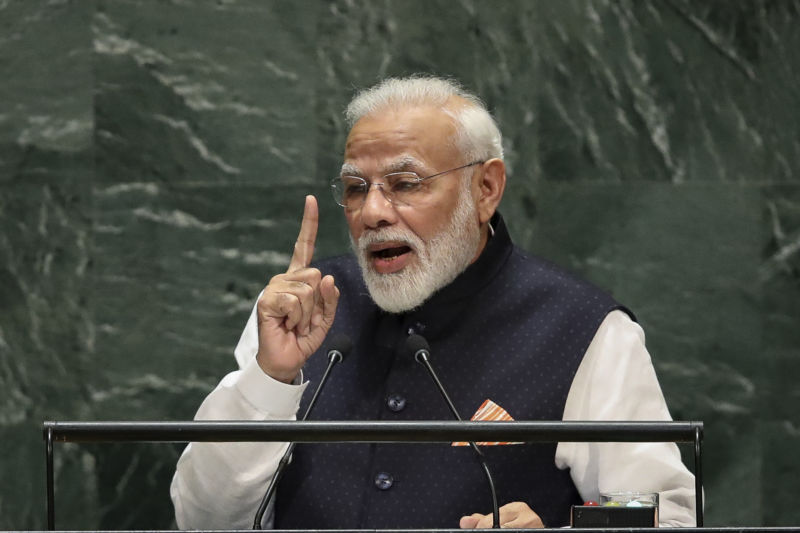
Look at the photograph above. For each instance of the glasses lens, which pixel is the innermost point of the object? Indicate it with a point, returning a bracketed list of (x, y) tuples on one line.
[(349, 191), (404, 187)]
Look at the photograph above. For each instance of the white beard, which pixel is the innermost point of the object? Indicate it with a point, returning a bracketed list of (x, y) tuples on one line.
[(439, 261)]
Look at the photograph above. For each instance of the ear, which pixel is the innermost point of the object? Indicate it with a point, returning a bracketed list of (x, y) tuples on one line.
[(491, 184)]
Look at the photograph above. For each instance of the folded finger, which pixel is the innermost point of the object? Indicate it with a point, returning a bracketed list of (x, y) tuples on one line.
[(516, 515), (469, 522), (281, 305), (523, 521), (306, 298), (486, 521)]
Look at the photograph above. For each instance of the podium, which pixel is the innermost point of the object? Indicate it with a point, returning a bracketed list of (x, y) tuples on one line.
[(378, 431)]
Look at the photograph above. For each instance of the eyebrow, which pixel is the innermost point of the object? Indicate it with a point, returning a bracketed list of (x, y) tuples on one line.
[(349, 170), (402, 164)]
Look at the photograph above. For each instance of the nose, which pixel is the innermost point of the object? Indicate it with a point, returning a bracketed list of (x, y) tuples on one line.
[(377, 210)]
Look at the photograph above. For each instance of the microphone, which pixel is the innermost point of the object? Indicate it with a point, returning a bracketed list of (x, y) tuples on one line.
[(419, 348), (340, 345)]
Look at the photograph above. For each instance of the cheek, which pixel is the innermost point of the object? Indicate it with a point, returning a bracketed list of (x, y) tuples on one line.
[(353, 225), (427, 224)]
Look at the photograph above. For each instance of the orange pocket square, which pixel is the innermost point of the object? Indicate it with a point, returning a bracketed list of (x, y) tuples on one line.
[(489, 412)]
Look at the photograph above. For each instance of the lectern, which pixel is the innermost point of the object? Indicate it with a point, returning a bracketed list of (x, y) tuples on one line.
[(368, 432)]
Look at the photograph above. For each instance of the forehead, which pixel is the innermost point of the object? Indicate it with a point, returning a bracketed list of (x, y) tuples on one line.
[(394, 139)]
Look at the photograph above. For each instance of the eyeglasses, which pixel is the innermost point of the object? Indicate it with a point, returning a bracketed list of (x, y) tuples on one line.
[(399, 188)]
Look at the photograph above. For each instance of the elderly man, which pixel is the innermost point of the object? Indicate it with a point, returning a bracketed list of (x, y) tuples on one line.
[(421, 181)]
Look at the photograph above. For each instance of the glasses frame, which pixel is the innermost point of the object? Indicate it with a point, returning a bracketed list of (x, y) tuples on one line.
[(380, 184)]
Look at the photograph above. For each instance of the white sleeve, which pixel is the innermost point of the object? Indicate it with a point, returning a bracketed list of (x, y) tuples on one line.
[(220, 485), (616, 381)]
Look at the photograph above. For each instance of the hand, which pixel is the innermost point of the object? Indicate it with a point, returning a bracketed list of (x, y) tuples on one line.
[(514, 515), (296, 309)]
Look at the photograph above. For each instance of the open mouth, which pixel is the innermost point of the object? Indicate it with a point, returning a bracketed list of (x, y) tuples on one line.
[(389, 257), (389, 254)]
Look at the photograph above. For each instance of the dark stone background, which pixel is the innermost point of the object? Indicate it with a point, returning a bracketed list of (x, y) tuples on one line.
[(154, 156)]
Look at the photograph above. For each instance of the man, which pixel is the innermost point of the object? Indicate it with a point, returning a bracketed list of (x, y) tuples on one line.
[(421, 181)]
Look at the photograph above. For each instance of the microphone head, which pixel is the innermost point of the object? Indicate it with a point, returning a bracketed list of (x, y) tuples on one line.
[(340, 345), (418, 347)]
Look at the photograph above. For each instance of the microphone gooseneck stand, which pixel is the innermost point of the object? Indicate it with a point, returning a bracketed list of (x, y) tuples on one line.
[(340, 345), (419, 348)]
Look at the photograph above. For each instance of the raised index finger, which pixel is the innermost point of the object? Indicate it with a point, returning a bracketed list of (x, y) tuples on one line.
[(304, 247)]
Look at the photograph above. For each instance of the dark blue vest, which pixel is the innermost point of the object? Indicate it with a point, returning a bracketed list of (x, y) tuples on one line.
[(511, 328)]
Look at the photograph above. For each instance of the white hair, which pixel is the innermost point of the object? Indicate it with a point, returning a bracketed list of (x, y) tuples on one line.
[(477, 134)]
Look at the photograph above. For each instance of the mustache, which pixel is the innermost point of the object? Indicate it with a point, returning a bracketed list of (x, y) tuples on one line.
[(380, 235)]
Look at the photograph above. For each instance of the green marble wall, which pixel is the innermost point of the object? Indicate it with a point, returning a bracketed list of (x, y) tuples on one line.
[(154, 155)]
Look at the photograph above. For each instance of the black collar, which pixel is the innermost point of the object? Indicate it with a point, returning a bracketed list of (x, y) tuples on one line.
[(478, 274)]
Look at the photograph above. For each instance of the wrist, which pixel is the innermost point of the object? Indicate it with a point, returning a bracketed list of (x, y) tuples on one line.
[(284, 375)]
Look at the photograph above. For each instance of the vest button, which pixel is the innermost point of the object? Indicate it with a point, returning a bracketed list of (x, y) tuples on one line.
[(396, 403), (384, 481)]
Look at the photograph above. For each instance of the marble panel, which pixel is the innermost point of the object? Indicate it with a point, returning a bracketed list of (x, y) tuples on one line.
[(46, 331), (45, 95), (666, 91), (781, 469), (780, 278), (46, 334), (204, 91)]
